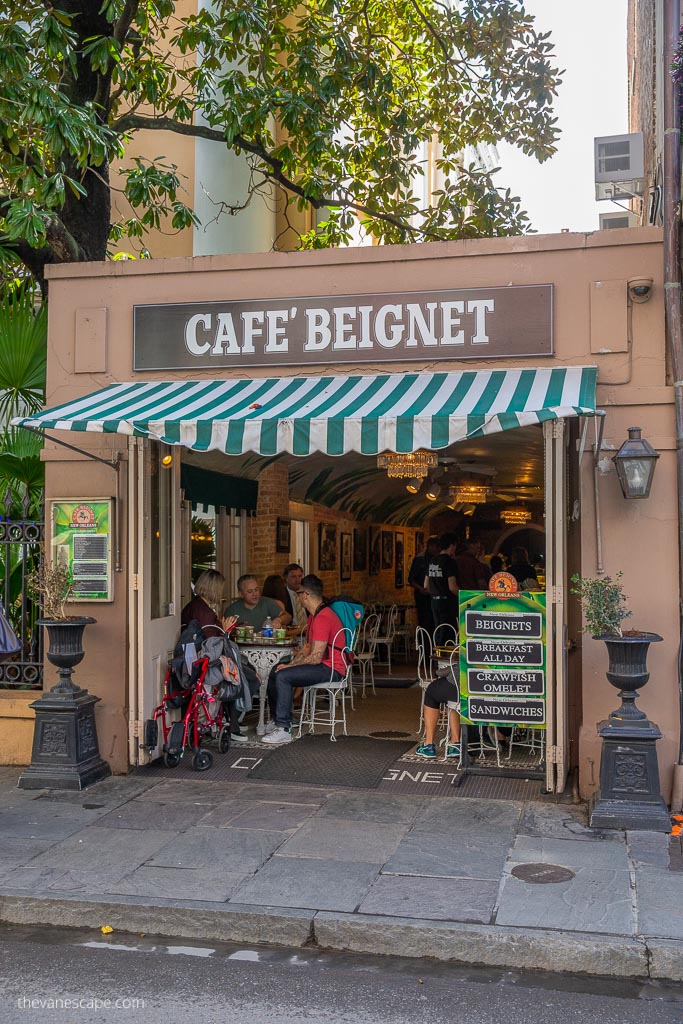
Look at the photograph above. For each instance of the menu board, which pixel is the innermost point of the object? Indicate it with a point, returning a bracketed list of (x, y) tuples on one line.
[(502, 658), (81, 540)]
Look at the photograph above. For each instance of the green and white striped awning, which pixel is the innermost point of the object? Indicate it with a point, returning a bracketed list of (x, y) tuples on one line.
[(397, 412)]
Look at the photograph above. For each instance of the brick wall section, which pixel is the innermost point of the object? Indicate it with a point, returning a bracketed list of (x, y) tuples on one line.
[(273, 501), (641, 45)]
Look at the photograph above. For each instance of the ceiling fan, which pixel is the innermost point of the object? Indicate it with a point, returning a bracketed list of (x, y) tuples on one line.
[(518, 492)]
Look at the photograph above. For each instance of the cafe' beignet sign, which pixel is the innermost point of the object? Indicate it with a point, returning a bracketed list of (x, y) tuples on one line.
[(474, 323)]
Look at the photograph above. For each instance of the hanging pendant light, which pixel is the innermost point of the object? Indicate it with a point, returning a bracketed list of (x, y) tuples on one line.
[(469, 491), (407, 464), (515, 515), (414, 485)]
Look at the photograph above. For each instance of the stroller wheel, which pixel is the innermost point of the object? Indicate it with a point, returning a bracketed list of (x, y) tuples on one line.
[(224, 739), (172, 758), (202, 760)]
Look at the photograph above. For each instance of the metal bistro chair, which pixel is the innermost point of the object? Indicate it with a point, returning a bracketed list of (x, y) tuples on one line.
[(386, 639), (365, 650), (452, 705), (446, 635), (425, 664), (334, 689)]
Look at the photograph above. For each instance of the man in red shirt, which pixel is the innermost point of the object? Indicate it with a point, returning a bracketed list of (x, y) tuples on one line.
[(318, 661)]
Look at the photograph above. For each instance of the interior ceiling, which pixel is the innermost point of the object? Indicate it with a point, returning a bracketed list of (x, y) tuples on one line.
[(353, 484)]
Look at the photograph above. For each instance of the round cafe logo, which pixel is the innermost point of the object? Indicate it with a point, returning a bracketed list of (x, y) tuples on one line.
[(503, 583), (83, 515)]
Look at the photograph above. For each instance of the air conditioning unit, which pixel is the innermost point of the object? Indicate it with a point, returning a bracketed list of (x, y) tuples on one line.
[(618, 220), (619, 166)]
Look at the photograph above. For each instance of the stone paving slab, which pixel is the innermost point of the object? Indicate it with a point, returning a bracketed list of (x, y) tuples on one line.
[(285, 794), (222, 815), (649, 849), (384, 809), (274, 816), (344, 840), (570, 853), (314, 884), (224, 849), (16, 852), (173, 791), (462, 817), (204, 884), (45, 821), (660, 903), (563, 821), (141, 814), (593, 901), (422, 853), (432, 899)]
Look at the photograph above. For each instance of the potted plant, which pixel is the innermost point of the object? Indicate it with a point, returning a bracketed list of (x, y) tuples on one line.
[(604, 609), (629, 796), (51, 583)]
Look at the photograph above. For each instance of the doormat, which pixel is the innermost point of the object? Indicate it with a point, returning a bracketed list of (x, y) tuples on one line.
[(357, 762)]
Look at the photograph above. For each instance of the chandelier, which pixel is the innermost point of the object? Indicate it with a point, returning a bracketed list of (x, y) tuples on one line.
[(469, 492), (409, 464), (515, 515)]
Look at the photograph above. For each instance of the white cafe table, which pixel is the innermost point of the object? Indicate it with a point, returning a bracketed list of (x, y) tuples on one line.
[(262, 655)]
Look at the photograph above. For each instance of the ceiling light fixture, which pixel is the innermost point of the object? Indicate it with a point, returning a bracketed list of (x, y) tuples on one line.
[(469, 491), (407, 464), (515, 515), (414, 485), (433, 491)]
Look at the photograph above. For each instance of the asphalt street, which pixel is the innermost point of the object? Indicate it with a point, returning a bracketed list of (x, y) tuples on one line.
[(73, 976)]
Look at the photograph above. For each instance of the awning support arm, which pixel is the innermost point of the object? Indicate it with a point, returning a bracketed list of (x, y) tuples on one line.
[(112, 463)]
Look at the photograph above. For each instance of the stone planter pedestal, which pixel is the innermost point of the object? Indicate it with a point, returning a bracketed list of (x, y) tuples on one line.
[(629, 795), (66, 753)]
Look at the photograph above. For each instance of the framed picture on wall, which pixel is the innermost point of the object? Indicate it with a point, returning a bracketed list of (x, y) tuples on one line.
[(283, 535), (327, 547), (360, 550), (399, 558), (387, 549), (345, 556), (375, 550)]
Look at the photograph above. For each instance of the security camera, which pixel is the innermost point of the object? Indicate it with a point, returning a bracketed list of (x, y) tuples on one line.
[(640, 288)]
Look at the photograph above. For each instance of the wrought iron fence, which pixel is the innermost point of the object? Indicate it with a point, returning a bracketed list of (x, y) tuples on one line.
[(22, 532)]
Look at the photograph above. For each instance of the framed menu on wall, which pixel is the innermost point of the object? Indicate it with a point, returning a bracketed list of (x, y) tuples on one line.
[(81, 539)]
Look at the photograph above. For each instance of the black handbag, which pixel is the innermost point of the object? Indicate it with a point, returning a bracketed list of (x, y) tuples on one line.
[(9, 641)]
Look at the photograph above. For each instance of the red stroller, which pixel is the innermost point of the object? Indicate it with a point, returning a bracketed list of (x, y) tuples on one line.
[(187, 687)]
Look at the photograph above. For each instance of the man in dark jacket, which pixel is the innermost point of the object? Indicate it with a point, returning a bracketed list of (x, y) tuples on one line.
[(416, 579)]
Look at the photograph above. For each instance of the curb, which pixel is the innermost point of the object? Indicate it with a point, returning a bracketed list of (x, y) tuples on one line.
[(471, 944), (180, 919)]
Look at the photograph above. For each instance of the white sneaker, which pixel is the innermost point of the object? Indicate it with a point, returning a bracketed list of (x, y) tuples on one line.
[(278, 736), (238, 737), (270, 727)]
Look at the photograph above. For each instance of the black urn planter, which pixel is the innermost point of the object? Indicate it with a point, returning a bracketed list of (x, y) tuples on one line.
[(65, 649), (627, 670), (66, 753), (629, 795)]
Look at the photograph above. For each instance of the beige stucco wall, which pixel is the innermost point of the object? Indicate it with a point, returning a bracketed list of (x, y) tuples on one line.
[(591, 316)]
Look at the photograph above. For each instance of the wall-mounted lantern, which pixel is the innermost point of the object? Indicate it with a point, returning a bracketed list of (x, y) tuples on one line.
[(635, 464)]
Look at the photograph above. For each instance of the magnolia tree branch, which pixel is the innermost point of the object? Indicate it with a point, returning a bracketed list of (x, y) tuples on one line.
[(274, 168)]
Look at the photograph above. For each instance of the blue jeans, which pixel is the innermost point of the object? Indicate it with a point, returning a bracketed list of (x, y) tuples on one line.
[(282, 684)]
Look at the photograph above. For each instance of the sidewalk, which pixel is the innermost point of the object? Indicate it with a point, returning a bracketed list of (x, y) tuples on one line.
[(346, 869)]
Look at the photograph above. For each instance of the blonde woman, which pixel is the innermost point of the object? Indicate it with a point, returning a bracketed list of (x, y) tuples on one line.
[(207, 603)]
